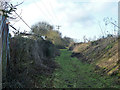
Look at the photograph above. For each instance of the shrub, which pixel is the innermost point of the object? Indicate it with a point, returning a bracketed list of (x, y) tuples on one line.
[(29, 58)]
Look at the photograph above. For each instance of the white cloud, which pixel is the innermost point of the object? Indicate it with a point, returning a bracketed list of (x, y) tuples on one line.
[(73, 15)]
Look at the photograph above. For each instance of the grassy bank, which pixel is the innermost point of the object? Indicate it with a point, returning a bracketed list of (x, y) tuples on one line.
[(75, 74)]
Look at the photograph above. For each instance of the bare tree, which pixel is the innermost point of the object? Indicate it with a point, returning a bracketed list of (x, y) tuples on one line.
[(112, 22)]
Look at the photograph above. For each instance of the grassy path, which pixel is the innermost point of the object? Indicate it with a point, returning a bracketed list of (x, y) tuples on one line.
[(75, 74)]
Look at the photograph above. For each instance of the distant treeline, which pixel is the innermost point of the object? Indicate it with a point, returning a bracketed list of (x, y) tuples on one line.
[(47, 30)]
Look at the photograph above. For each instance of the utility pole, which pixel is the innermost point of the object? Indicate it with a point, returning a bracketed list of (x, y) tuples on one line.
[(4, 45), (58, 27), (101, 29), (1, 41), (0, 52), (85, 39)]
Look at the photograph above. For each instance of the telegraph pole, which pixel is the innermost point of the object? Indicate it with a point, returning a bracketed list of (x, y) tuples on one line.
[(1, 43), (0, 52), (58, 27), (4, 45)]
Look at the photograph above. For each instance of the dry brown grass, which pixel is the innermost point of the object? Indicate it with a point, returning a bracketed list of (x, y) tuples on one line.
[(102, 53), (109, 60), (81, 47)]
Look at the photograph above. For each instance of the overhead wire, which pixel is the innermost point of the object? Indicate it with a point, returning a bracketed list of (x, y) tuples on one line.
[(40, 10), (25, 21), (21, 18), (55, 16), (48, 10), (101, 28), (45, 13), (54, 12)]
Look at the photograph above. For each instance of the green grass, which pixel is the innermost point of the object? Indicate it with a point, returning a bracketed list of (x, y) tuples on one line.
[(109, 46), (75, 74)]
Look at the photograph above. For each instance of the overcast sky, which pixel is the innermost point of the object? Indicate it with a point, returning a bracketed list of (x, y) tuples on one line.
[(77, 18)]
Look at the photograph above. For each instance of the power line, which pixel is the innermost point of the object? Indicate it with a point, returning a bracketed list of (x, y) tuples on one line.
[(23, 20), (58, 27), (40, 10), (26, 23), (54, 12), (49, 11), (100, 28), (48, 15)]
